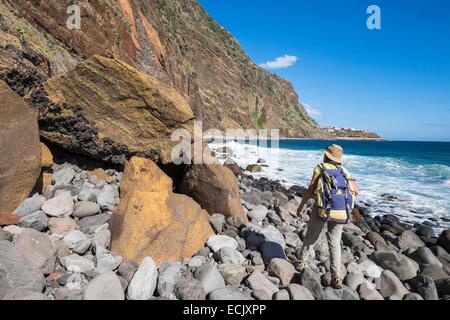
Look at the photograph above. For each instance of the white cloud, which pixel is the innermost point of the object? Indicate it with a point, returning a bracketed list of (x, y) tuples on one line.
[(312, 111), (279, 63)]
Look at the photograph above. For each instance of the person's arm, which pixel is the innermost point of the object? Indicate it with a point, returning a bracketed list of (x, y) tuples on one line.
[(309, 193), (354, 186)]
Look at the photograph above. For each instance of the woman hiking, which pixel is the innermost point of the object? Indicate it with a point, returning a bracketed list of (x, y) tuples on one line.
[(335, 190)]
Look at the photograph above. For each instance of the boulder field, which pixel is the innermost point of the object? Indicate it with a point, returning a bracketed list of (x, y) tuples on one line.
[(151, 218), (113, 234)]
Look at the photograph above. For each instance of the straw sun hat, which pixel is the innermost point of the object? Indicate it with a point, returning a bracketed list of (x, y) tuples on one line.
[(334, 153)]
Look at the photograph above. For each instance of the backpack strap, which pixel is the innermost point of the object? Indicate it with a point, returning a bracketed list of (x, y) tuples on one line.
[(322, 168), (347, 205)]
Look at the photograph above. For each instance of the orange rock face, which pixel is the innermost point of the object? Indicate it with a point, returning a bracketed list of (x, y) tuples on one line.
[(125, 112), (45, 179), (153, 221), (47, 156), (215, 188)]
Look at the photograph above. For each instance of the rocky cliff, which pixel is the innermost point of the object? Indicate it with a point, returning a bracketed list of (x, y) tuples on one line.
[(172, 40)]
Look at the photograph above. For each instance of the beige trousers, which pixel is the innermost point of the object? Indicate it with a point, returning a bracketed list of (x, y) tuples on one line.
[(334, 235)]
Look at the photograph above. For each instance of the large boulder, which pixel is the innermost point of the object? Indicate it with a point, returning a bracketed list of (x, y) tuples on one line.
[(144, 281), (258, 282), (271, 250), (389, 284), (190, 289), (104, 287), (444, 240), (229, 255), (272, 234), (215, 188), (210, 278), (20, 156), (403, 267), (425, 257), (108, 110), (377, 241), (435, 272), (409, 240), (232, 274), (424, 285), (282, 269), (443, 287), (311, 280), (150, 218), (7, 219), (367, 292), (228, 293), (345, 293), (169, 275), (218, 242), (299, 292)]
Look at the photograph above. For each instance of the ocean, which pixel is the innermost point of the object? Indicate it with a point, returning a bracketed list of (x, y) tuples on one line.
[(408, 179)]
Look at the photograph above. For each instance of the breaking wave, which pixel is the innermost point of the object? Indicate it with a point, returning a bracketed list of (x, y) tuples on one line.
[(413, 192)]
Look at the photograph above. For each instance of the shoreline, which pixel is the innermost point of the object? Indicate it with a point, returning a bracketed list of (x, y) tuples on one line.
[(337, 139), (222, 138), (243, 251)]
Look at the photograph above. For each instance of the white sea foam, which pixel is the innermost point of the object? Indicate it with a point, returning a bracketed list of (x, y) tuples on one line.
[(422, 191)]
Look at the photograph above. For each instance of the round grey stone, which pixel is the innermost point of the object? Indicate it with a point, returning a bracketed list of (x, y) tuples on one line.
[(89, 224), (190, 289), (30, 205), (169, 275), (210, 278), (228, 293), (59, 206), (64, 175), (17, 272), (86, 209), (127, 270), (106, 198), (5, 235), (144, 281), (258, 213), (217, 221), (106, 286), (228, 255), (345, 293)]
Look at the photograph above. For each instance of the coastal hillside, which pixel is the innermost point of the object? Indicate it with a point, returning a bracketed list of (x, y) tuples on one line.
[(174, 41)]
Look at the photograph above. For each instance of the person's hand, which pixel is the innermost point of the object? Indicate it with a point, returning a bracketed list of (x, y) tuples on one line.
[(300, 210)]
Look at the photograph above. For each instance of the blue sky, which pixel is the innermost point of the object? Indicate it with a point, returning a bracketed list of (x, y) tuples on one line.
[(394, 81)]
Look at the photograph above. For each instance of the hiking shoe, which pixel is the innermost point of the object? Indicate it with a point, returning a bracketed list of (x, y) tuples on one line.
[(299, 266), (336, 283)]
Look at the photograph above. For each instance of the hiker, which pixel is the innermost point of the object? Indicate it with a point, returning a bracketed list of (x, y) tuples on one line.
[(335, 191)]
